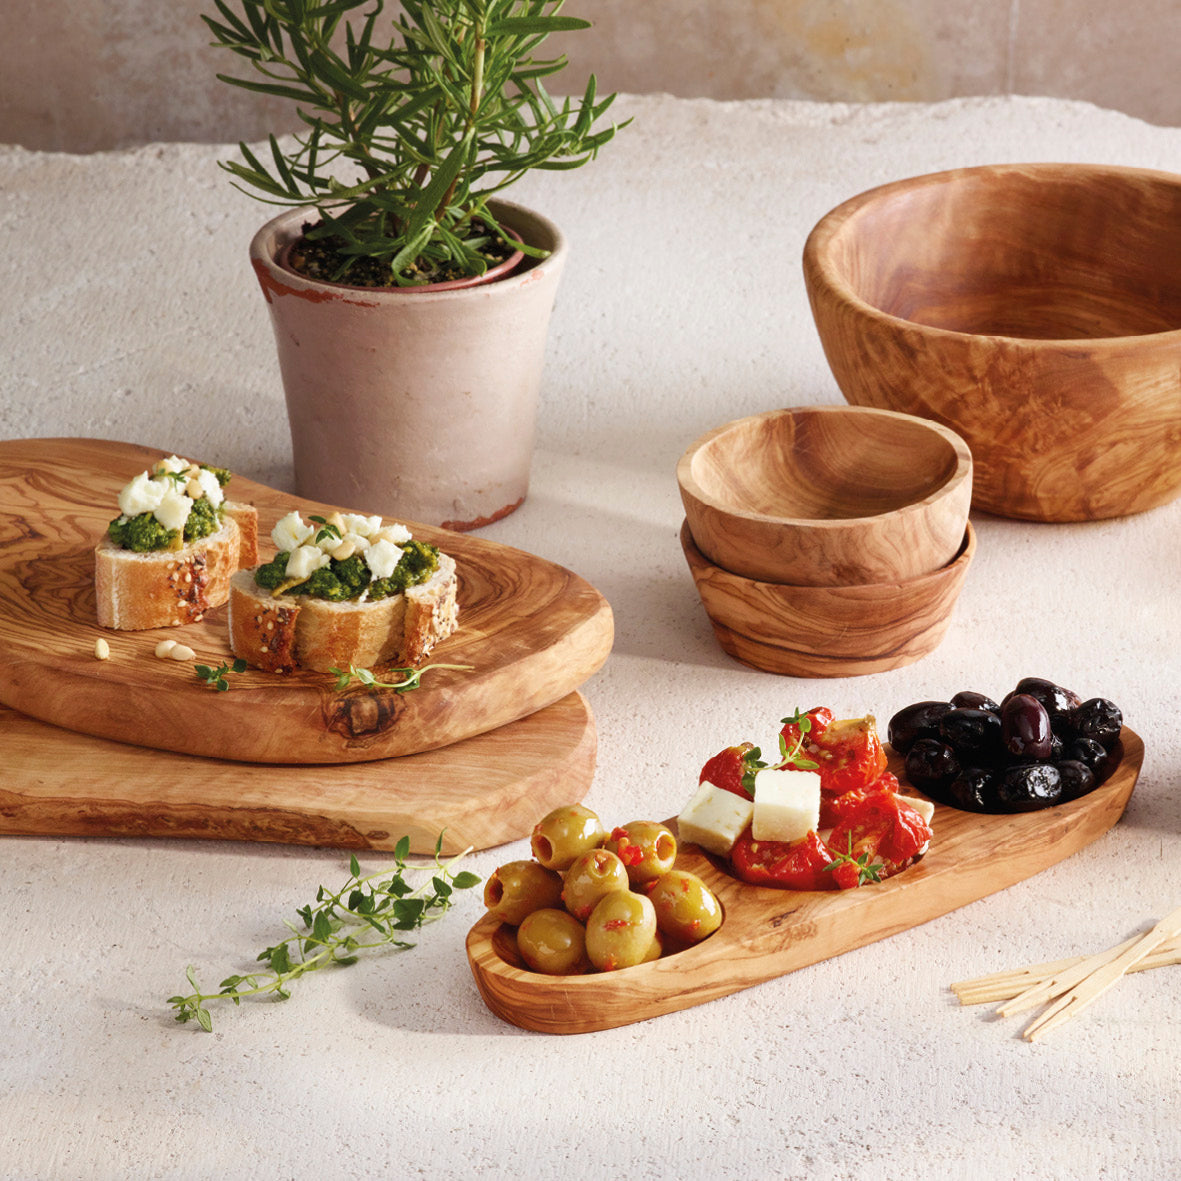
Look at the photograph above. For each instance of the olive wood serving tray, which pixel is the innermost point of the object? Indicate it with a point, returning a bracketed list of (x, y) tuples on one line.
[(533, 632), (768, 932), (479, 792)]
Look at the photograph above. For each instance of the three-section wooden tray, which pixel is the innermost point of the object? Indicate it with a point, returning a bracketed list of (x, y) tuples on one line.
[(767, 932), (532, 631)]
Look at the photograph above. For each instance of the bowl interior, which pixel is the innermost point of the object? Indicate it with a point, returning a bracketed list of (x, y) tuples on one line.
[(1041, 252), (822, 464)]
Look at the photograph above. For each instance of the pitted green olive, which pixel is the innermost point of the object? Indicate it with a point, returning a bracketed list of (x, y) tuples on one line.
[(567, 831), (647, 849), (589, 878), (686, 908), (519, 888), (620, 931), (554, 942)]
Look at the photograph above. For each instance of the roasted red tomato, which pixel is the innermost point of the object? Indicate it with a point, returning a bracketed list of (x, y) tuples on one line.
[(819, 720), (795, 866), (729, 767), (878, 837), (849, 753), (834, 808)]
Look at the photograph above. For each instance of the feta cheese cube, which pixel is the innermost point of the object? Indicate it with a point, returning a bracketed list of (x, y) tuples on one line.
[(141, 495), (924, 808), (303, 561), (210, 487), (382, 558), (173, 510), (786, 804), (714, 818), (290, 532)]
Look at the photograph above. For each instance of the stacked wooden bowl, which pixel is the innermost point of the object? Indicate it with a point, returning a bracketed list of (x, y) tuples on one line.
[(828, 540)]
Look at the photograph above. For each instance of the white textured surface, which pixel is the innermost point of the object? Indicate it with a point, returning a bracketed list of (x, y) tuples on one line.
[(128, 312)]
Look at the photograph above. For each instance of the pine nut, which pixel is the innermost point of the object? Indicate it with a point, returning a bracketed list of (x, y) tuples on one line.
[(194, 490), (164, 647), (180, 652), (346, 549), (102, 649)]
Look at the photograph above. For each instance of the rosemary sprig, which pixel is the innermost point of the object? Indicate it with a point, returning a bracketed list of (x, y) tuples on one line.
[(215, 678), (412, 677), (366, 914)]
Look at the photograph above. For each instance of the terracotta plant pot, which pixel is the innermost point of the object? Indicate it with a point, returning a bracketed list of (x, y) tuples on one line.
[(416, 404)]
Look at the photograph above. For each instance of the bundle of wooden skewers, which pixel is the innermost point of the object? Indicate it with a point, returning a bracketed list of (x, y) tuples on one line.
[(1068, 986)]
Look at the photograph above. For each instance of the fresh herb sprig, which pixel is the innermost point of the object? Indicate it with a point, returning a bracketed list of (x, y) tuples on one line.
[(795, 756), (412, 677), (369, 913), (327, 531), (215, 678), (867, 872), (412, 121)]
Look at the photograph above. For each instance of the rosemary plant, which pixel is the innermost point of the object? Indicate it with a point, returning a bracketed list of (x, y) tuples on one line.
[(411, 123)]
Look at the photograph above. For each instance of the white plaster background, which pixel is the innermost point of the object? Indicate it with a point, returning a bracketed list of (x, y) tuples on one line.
[(85, 75), (128, 311)]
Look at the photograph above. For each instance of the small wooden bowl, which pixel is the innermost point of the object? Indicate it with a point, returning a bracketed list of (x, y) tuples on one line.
[(828, 495), (828, 631), (1033, 308)]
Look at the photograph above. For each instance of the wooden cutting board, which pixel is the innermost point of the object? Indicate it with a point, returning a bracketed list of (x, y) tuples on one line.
[(768, 932), (482, 791), (533, 632)]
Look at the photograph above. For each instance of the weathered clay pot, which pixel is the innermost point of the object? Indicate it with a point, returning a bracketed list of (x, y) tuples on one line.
[(415, 404)]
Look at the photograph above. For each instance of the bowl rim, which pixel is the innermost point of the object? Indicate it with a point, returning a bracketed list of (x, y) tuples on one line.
[(959, 474), (853, 590), (836, 218)]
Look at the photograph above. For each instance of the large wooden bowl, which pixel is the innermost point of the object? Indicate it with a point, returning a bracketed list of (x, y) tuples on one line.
[(824, 495), (828, 631), (1033, 308)]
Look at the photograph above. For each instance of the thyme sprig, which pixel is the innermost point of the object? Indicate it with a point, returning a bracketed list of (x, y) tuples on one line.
[(412, 677), (866, 872), (369, 913), (215, 678)]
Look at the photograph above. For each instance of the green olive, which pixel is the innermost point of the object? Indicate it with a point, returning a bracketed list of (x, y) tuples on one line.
[(567, 831), (554, 942), (686, 908), (620, 931), (589, 878), (519, 888), (647, 849), (657, 948)]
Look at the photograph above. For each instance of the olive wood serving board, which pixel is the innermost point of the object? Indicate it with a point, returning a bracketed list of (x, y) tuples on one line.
[(532, 630), (768, 932), (482, 791)]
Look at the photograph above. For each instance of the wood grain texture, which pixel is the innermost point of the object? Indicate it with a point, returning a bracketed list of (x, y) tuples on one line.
[(1035, 309), (827, 495), (482, 791), (532, 631), (768, 932), (828, 631)]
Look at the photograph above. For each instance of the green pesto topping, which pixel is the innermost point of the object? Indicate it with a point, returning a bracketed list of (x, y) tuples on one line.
[(341, 581), (144, 534)]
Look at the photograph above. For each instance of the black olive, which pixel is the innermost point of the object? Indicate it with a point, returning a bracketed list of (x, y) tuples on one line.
[(1077, 779), (931, 765), (1090, 752), (973, 790), (1056, 699), (920, 720), (970, 700), (974, 735), (1025, 726), (1099, 719), (1028, 787)]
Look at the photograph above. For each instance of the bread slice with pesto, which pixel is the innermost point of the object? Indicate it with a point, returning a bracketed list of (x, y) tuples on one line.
[(167, 559), (351, 592)]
